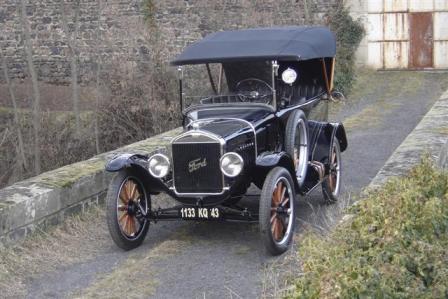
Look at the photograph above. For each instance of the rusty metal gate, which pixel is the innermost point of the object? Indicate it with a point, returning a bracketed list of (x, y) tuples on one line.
[(407, 34), (420, 40)]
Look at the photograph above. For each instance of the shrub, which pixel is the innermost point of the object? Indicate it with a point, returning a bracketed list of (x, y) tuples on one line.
[(139, 109), (349, 34), (394, 247)]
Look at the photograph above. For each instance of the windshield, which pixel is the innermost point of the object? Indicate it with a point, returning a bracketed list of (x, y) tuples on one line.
[(227, 83)]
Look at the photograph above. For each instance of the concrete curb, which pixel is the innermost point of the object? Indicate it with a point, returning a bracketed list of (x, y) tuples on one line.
[(429, 136), (49, 197)]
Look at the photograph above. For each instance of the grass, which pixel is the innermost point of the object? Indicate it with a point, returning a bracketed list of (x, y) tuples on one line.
[(371, 115), (138, 267), (393, 247), (78, 239)]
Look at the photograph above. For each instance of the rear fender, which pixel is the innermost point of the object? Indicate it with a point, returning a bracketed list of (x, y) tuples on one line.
[(339, 132), (140, 164), (322, 135), (267, 161)]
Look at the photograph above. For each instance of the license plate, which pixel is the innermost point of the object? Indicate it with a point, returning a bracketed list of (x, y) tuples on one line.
[(199, 213)]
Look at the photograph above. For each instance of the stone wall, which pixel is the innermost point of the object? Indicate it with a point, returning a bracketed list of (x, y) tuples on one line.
[(50, 197), (115, 33)]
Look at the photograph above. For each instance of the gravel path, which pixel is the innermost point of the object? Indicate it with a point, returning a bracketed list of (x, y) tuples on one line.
[(216, 260)]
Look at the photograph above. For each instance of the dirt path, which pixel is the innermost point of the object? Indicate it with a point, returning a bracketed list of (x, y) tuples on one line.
[(215, 260)]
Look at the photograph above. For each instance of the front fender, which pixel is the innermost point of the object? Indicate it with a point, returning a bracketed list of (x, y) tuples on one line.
[(267, 161), (122, 161), (139, 163)]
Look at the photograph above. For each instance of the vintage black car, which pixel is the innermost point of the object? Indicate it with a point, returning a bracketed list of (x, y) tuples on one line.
[(255, 107)]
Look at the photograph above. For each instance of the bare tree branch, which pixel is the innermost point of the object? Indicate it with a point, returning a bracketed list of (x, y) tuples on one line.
[(71, 42), (36, 109), (21, 148), (98, 71)]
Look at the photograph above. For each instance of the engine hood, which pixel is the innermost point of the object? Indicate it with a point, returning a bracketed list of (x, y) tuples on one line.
[(228, 121), (222, 127)]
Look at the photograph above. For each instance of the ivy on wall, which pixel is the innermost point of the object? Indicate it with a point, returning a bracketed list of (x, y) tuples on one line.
[(349, 34), (149, 12)]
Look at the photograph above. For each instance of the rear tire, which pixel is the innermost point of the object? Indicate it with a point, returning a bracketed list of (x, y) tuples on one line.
[(331, 186), (296, 143), (127, 226), (277, 212)]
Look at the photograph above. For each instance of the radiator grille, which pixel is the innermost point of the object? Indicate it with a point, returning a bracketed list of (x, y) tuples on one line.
[(196, 167)]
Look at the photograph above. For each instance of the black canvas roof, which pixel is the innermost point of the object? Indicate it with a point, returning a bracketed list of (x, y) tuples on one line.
[(275, 43)]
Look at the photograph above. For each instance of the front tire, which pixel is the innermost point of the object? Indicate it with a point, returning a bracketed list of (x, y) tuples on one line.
[(331, 186), (126, 201), (277, 213)]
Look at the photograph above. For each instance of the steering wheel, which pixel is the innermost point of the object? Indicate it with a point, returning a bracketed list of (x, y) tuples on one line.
[(254, 90)]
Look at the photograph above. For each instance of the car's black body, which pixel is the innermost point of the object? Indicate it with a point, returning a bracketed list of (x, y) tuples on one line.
[(258, 132)]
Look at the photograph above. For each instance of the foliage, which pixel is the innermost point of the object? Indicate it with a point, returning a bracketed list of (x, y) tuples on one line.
[(138, 109), (149, 11), (349, 34), (394, 247), (134, 107)]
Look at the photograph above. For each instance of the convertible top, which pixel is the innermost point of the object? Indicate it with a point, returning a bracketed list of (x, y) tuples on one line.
[(289, 43)]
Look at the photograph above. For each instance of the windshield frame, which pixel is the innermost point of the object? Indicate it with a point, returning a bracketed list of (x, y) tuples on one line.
[(185, 110)]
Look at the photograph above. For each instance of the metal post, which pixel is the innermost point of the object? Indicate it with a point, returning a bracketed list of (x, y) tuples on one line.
[(180, 74), (274, 74)]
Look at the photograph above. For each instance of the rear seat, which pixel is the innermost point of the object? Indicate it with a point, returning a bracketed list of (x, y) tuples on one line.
[(304, 92), (308, 91)]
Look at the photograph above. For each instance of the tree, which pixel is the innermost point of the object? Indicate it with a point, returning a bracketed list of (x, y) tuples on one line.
[(20, 149), (36, 94), (71, 42), (97, 75)]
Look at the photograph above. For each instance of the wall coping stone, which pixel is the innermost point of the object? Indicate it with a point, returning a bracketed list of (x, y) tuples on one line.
[(429, 136), (47, 198)]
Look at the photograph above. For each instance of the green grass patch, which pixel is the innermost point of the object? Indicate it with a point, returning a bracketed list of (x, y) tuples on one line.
[(395, 246)]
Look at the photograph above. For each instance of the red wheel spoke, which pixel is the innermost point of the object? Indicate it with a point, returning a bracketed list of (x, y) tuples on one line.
[(123, 196), (133, 191), (278, 229), (282, 223), (121, 219), (131, 226), (125, 226), (129, 185), (282, 196), (136, 196), (274, 196), (285, 201), (125, 190), (121, 208), (274, 229), (137, 224), (273, 217), (277, 194)]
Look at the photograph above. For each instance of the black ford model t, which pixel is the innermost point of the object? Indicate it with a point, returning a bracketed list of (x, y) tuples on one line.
[(255, 108)]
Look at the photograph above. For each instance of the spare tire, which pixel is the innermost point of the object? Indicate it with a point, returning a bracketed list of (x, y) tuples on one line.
[(296, 143)]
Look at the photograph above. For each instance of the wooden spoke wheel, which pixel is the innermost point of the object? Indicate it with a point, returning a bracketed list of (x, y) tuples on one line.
[(332, 184), (277, 213), (127, 203)]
